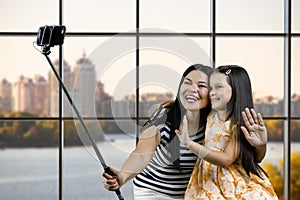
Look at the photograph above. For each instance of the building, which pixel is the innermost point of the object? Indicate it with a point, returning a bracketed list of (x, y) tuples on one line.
[(103, 101), (5, 96), (23, 95), (84, 86), (41, 96), (54, 88)]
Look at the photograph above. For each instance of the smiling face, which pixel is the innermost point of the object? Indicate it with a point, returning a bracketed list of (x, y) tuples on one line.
[(220, 91), (193, 92)]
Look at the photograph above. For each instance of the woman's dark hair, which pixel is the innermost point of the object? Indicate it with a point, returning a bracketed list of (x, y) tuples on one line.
[(238, 79), (176, 112)]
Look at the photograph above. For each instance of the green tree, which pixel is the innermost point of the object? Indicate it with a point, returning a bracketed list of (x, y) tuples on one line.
[(42, 134)]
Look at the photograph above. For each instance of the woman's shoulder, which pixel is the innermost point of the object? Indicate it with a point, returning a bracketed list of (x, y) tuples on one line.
[(157, 118)]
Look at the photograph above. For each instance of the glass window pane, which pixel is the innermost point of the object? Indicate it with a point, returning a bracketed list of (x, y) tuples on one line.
[(24, 76), (162, 62), (250, 16), (296, 16), (93, 16), (295, 157), (27, 15), (273, 161), (175, 15), (295, 80), (104, 73), (79, 75), (295, 134), (119, 80), (29, 172), (82, 172), (263, 60)]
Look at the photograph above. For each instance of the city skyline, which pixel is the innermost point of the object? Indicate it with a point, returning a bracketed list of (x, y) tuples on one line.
[(39, 95), (260, 91), (83, 56)]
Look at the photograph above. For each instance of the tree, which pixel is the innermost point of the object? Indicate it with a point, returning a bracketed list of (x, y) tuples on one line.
[(295, 130), (275, 129), (276, 176)]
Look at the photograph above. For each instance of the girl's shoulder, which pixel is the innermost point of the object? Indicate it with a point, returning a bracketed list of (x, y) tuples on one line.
[(212, 115)]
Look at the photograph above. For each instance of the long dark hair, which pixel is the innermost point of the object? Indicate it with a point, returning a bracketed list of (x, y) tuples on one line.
[(176, 112), (238, 79)]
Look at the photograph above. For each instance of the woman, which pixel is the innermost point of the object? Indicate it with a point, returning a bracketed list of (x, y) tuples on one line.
[(160, 164)]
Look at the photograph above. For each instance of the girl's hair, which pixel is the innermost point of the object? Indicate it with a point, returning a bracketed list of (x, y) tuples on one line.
[(241, 98), (176, 112)]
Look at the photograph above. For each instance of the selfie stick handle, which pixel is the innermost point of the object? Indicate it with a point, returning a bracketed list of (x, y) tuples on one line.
[(100, 157)]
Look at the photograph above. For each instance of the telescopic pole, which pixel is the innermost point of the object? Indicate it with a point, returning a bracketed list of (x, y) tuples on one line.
[(46, 52)]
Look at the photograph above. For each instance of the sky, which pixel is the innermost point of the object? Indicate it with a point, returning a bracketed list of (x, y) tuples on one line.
[(262, 57)]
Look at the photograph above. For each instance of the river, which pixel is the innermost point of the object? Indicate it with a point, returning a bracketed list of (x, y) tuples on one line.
[(32, 173)]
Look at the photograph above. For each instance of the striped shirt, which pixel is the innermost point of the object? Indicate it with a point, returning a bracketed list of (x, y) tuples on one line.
[(163, 177)]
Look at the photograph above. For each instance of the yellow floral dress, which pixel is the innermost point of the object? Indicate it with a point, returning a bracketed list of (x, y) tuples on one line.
[(209, 181)]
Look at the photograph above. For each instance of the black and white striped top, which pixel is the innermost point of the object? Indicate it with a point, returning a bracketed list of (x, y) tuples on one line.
[(163, 177)]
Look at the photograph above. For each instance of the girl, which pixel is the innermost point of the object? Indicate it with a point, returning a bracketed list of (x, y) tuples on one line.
[(228, 168)]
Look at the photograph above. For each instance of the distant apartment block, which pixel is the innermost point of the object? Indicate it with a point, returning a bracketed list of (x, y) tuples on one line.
[(84, 86), (41, 96), (5, 96), (23, 95)]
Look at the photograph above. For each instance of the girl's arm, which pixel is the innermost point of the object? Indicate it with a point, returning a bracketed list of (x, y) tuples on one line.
[(137, 160), (221, 158)]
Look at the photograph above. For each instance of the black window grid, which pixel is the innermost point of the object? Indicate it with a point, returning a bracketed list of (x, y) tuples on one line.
[(287, 117)]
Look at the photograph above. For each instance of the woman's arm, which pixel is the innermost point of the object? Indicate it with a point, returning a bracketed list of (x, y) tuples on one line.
[(221, 158), (255, 132), (137, 160)]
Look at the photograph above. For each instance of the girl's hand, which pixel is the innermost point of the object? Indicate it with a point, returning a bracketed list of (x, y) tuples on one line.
[(255, 130), (165, 104)]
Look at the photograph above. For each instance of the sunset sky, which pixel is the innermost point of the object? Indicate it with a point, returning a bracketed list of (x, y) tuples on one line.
[(261, 56)]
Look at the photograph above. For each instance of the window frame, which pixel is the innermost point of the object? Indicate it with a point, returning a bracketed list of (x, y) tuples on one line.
[(286, 118)]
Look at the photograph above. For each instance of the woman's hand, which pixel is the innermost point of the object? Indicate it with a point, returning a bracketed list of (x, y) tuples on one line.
[(255, 130), (183, 135), (112, 182)]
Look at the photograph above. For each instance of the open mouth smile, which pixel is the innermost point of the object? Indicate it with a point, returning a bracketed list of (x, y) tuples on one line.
[(191, 98)]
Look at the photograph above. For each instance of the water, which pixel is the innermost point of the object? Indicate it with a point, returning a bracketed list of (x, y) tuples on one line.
[(32, 174)]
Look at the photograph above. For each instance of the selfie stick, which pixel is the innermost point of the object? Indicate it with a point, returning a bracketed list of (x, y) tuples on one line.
[(46, 52)]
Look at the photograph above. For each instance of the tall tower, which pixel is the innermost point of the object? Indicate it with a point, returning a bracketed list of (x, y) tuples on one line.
[(85, 86)]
